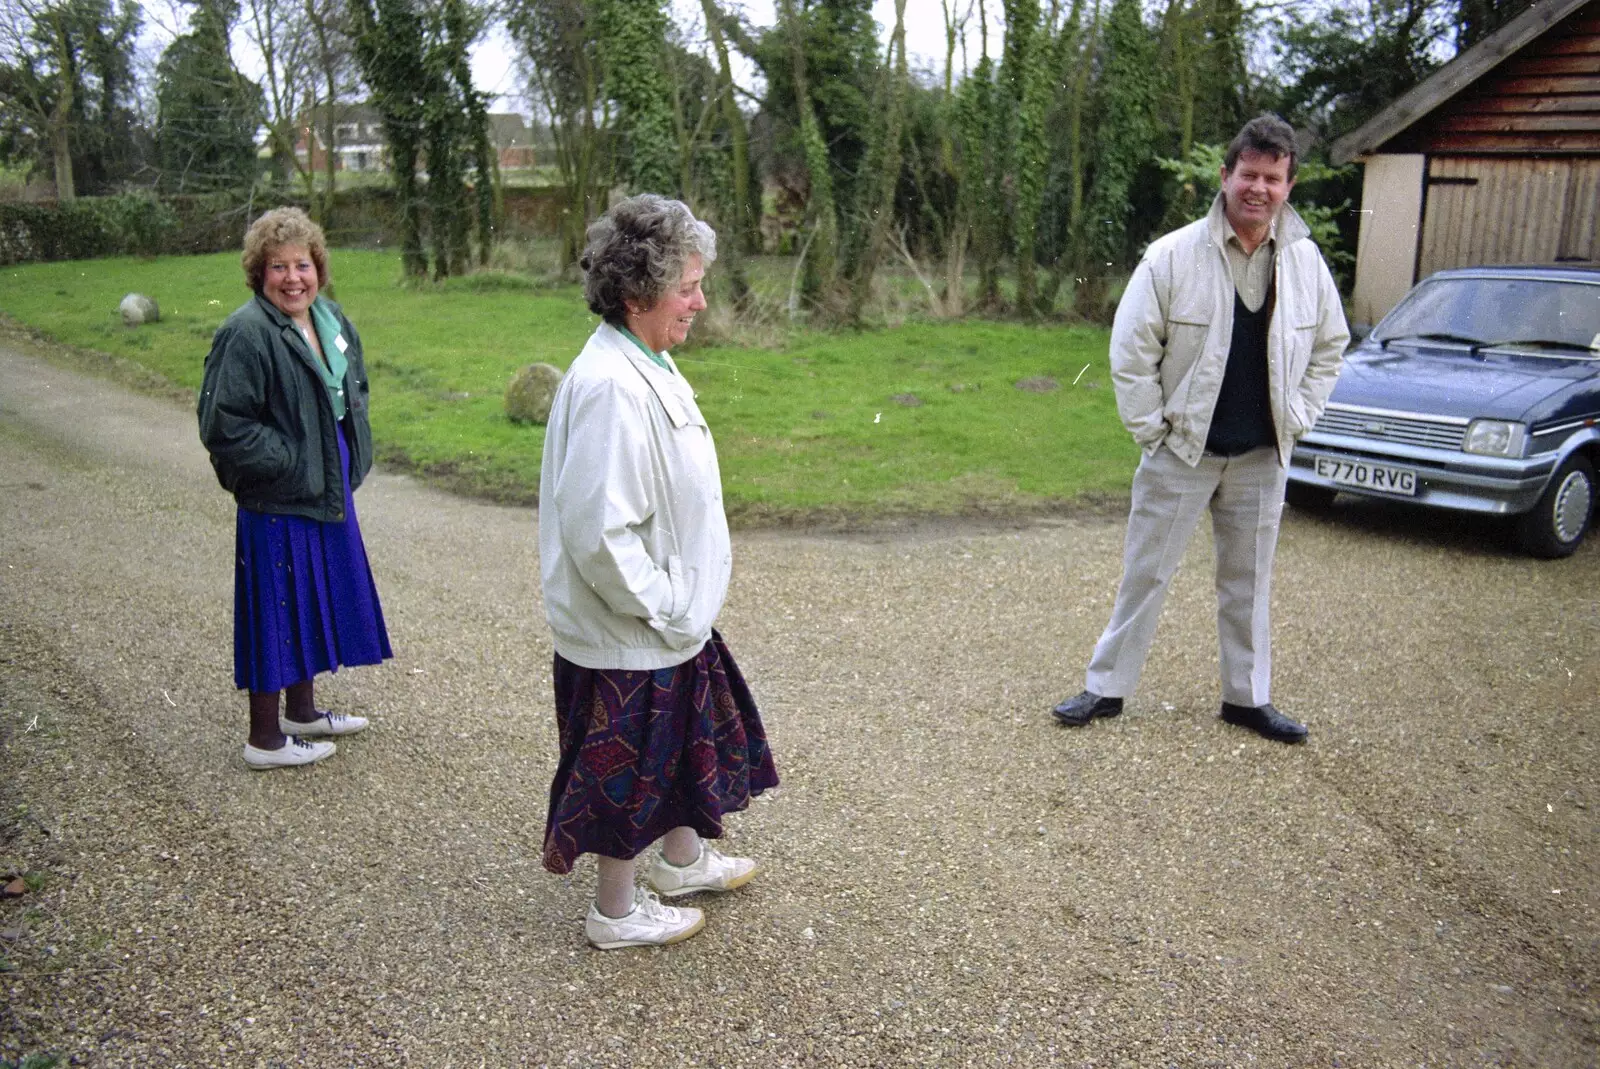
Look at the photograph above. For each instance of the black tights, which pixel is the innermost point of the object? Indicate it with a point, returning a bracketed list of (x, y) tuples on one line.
[(264, 731)]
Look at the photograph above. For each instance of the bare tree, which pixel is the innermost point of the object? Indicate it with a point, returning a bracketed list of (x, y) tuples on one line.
[(308, 67)]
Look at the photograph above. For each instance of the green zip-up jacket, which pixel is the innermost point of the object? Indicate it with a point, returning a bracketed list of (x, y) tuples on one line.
[(267, 420)]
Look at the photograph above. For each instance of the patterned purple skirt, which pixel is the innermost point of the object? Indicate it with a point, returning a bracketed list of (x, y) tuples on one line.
[(303, 597), (644, 752)]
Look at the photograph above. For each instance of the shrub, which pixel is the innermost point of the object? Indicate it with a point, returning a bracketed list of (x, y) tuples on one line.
[(127, 224)]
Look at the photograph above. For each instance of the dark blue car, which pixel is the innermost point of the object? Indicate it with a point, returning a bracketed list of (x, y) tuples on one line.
[(1479, 392)]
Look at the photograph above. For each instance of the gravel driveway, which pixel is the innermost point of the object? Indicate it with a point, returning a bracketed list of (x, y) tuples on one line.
[(952, 879)]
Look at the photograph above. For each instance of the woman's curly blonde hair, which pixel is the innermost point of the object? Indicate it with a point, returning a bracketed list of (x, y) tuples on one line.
[(274, 230)]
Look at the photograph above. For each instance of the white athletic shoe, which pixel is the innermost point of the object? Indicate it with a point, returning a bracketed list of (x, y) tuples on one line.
[(649, 924), (325, 724), (293, 752), (711, 871)]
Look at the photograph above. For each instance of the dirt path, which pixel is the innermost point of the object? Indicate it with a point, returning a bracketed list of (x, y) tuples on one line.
[(951, 878)]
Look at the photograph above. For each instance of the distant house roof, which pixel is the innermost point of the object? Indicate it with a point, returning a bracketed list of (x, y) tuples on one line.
[(506, 129), (1451, 79)]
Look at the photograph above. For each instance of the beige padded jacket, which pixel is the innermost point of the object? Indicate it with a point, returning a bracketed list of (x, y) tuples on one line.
[(1174, 324)]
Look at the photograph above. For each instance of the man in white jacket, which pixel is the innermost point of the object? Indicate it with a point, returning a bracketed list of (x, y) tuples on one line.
[(1225, 347)]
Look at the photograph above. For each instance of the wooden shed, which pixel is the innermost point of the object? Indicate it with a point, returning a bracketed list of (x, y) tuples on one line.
[(1494, 159)]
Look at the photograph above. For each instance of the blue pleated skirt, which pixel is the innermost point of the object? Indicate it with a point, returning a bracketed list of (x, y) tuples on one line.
[(303, 597)]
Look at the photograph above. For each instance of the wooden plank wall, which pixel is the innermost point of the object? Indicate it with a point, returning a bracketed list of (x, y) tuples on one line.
[(1486, 210), (1545, 98)]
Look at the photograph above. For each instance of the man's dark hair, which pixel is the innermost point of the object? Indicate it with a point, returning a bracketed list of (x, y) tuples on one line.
[(1268, 135)]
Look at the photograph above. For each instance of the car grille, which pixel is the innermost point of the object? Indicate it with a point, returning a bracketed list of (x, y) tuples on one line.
[(1392, 427)]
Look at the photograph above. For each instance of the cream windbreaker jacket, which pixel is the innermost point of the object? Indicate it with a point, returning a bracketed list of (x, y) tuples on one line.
[(633, 543), (1174, 325)]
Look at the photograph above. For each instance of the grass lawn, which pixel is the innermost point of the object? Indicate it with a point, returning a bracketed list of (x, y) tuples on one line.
[(922, 419)]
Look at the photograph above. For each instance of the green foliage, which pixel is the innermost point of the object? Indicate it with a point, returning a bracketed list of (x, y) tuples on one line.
[(414, 59), (84, 228), (1026, 78), (1341, 66), (208, 111), (838, 41), (1477, 19), (979, 142), (632, 33), (1198, 177), (1129, 89), (80, 54)]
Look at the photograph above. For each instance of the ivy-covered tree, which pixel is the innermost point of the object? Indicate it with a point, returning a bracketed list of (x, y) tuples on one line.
[(389, 44), (743, 209), (413, 57), (980, 132), (632, 34), (207, 112), (1026, 84), (821, 66), (884, 159), (1129, 90), (67, 92)]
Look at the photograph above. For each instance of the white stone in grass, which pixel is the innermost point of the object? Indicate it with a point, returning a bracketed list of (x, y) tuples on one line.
[(138, 309)]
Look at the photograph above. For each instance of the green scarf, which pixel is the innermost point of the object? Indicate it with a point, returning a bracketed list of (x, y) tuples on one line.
[(334, 364)]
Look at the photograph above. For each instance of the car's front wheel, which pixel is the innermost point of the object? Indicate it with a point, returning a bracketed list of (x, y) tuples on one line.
[(1556, 524)]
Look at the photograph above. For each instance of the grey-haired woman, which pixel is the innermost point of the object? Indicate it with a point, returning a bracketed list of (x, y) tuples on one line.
[(659, 734)]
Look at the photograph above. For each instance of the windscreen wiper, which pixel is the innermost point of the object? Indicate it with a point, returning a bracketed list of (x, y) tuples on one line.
[(1429, 335), (1540, 343)]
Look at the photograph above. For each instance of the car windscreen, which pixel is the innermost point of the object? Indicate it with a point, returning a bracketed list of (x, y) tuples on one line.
[(1538, 313)]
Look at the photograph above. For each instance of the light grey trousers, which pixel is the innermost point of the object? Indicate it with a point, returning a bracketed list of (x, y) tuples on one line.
[(1245, 496)]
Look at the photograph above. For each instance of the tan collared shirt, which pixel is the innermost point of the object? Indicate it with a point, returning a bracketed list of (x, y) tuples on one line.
[(1252, 273)]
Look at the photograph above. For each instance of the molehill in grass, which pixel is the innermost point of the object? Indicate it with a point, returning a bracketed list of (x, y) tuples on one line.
[(530, 392)]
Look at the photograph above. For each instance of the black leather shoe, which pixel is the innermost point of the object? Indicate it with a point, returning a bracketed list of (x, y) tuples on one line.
[(1079, 709), (1265, 721)]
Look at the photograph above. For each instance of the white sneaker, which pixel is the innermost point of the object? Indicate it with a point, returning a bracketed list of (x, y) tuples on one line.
[(711, 871), (649, 924), (324, 724), (293, 752)]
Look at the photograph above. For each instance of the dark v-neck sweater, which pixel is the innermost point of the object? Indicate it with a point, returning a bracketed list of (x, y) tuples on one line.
[(1242, 418)]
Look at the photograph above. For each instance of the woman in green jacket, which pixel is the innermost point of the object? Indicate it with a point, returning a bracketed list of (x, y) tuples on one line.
[(283, 413)]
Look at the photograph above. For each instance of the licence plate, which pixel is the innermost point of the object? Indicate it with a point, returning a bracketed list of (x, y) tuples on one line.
[(1366, 476)]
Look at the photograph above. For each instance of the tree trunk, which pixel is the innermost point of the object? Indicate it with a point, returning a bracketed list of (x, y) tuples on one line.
[(747, 213), (887, 164), (322, 204), (822, 265), (61, 114)]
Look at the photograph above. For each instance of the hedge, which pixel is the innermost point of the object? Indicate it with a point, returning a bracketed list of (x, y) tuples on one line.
[(135, 224)]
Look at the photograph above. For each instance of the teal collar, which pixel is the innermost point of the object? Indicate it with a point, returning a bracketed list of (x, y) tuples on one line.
[(655, 357)]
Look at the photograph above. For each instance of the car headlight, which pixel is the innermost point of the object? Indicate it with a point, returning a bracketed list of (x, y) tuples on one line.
[(1495, 438)]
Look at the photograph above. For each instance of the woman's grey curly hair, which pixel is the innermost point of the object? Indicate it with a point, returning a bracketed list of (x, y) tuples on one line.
[(274, 230), (637, 250)]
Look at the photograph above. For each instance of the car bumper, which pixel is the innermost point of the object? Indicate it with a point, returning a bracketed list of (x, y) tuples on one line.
[(1446, 478)]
